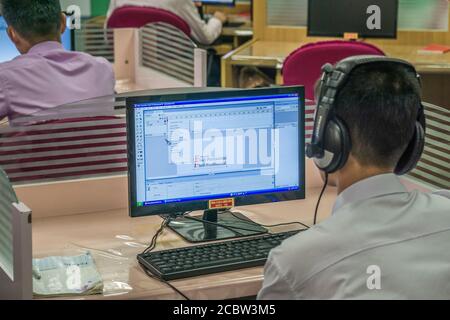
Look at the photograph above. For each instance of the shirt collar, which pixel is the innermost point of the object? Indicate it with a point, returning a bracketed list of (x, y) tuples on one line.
[(45, 46), (372, 187)]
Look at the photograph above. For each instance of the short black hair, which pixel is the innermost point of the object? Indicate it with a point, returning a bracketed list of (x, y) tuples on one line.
[(379, 105), (33, 19)]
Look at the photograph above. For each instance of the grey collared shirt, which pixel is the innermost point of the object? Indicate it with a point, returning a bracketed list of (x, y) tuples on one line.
[(382, 242)]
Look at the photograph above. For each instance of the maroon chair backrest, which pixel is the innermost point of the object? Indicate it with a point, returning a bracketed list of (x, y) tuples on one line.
[(303, 66), (137, 17)]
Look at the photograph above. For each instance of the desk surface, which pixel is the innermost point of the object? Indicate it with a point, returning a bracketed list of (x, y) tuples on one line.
[(272, 54), (265, 53), (115, 239), (127, 85)]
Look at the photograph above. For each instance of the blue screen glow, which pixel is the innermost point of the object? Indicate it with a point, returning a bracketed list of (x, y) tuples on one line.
[(7, 49), (210, 149)]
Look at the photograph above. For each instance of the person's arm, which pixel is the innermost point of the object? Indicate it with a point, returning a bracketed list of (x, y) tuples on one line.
[(204, 33), (275, 286)]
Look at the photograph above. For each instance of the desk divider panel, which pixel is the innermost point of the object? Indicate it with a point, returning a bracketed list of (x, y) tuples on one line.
[(71, 142), (15, 244), (94, 39), (169, 58), (310, 110), (7, 197), (434, 167)]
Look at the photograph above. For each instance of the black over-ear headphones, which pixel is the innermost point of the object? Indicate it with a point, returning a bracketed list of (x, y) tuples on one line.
[(331, 141)]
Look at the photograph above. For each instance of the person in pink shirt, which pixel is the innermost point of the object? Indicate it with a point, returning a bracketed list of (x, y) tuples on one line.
[(45, 75)]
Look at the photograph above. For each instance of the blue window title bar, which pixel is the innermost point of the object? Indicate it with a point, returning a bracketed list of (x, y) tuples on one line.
[(190, 102)]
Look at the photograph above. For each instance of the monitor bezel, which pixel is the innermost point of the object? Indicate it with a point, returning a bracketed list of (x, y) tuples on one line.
[(218, 3), (175, 208), (340, 35)]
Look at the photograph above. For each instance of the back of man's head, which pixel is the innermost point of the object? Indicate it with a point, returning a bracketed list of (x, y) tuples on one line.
[(34, 20), (379, 104)]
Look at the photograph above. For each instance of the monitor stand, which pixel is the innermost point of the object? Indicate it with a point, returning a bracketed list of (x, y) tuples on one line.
[(215, 225)]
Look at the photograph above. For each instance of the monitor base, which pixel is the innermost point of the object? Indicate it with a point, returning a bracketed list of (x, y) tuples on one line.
[(215, 225)]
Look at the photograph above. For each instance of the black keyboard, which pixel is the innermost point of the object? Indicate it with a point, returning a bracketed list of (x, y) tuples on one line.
[(233, 24), (212, 258)]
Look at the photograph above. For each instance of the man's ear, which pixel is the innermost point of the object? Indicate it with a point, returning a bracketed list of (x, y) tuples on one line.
[(12, 34), (63, 23)]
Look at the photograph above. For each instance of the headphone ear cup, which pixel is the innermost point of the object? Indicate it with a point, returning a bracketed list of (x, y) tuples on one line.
[(413, 152), (337, 146)]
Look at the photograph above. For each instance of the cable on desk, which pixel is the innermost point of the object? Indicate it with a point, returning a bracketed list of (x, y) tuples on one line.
[(320, 198), (231, 228), (152, 245), (167, 283), (270, 225)]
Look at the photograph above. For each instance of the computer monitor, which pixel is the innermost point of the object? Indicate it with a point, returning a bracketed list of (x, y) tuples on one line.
[(8, 51), (213, 151), (228, 3), (366, 18)]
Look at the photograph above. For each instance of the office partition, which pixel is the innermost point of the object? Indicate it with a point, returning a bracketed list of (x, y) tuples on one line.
[(167, 58), (287, 12), (86, 139), (15, 244), (94, 39), (434, 167)]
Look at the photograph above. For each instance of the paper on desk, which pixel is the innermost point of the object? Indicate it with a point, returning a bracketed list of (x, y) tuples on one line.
[(66, 276)]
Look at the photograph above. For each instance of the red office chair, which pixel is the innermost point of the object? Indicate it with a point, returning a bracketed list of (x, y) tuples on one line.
[(137, 17), (303, 66)]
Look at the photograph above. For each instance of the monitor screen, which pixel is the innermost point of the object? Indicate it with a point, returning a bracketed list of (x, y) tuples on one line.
[(367, 18), (217, 2), (8, 51), (244, 146)]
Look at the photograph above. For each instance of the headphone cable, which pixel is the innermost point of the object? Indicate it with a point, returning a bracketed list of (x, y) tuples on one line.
[(320, 198), (269, 225)]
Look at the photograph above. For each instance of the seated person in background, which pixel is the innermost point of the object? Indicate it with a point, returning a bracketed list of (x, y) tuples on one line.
[(45, 75), (381, 242), (202, 32)]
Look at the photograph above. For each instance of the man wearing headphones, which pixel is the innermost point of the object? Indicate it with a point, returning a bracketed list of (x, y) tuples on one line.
[(381, 241)]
